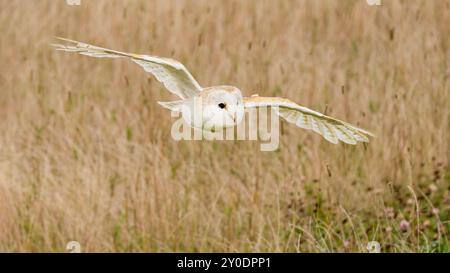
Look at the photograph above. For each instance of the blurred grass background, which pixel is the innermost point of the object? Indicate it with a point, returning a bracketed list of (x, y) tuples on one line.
[(86, 152)]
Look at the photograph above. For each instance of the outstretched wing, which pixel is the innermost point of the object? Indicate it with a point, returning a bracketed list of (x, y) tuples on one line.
[(330, 128), (175, 77)]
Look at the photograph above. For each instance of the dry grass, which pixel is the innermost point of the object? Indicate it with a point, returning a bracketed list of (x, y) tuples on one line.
[(84, 155)]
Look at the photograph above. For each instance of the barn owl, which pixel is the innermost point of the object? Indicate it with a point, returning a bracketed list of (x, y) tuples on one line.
[(221, 106)]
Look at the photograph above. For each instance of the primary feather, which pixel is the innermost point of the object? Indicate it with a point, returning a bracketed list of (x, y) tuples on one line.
[(331, 129), (175, 77)]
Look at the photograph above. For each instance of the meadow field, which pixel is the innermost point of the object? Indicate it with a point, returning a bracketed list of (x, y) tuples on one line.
[(86, 153)]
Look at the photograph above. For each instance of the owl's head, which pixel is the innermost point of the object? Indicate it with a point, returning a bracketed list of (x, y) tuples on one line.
[(222, 107)]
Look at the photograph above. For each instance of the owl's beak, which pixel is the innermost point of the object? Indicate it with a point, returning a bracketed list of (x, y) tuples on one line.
[(232, 116)]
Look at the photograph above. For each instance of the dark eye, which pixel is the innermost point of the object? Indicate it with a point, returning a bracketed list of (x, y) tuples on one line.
[(222, 105)]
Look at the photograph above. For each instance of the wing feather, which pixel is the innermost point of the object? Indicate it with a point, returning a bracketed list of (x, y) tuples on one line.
[(175, 77), (333, 130)]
